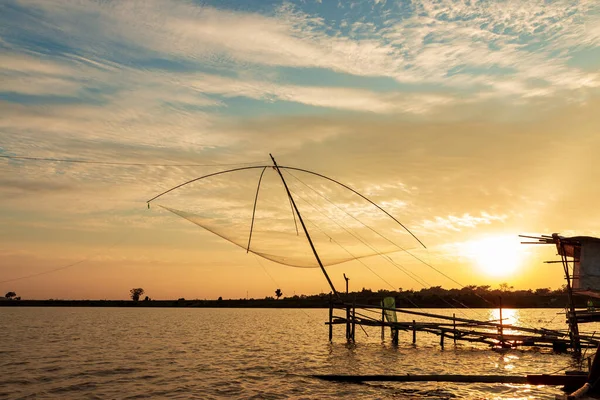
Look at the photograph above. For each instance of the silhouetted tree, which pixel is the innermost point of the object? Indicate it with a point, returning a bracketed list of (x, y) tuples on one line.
[(278, 293), (504, 287), (220, 298), (10, 295), (135, 293)]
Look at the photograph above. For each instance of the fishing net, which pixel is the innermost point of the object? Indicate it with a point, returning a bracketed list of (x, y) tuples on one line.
[(250, 207)]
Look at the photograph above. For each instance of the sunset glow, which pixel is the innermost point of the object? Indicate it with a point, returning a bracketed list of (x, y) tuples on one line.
[(496, 256)]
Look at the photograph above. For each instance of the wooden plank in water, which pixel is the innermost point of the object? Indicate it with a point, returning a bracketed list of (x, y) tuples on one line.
[(551, 380), (425, 378), (571, 380)]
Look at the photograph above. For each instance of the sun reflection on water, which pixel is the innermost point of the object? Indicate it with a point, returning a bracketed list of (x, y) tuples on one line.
[(510, 316), (507, 361)]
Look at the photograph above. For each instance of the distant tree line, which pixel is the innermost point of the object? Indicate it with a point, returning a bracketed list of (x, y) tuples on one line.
[(470, 296), (473, 296), (483, 296), (433, 297)]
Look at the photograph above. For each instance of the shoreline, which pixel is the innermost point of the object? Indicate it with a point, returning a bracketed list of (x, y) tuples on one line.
[(240, 303)]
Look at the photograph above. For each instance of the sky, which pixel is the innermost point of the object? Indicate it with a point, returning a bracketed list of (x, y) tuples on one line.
[(471, 122)]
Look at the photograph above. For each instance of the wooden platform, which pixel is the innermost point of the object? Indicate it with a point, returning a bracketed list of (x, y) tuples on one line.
[(584, 316), (493, 334)]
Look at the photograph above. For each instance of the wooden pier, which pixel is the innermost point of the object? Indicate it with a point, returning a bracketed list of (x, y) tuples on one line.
[(451, 328)]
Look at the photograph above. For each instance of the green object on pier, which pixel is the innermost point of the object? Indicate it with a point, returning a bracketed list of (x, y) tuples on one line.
[(389, 304)]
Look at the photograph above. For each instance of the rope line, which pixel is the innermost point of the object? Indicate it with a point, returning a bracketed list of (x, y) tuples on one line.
[(411, 275), (346, 250)]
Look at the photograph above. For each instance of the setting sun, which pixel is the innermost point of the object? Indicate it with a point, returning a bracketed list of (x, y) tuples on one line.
[(496, 255)]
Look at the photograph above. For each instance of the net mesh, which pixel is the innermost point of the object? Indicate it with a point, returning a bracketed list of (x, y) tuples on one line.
[(343, 225)]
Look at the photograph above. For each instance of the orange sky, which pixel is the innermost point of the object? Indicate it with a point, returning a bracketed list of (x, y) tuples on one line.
[(460, 186)]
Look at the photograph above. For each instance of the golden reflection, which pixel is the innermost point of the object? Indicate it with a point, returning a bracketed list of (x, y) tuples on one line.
[(506, 362), (519, 398), (510, 316)]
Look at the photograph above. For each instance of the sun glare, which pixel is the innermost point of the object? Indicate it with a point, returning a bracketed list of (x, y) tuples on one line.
[(496, 255)]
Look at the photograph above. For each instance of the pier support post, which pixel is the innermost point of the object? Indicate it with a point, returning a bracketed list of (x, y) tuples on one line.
[(571, 316), (395, 335), (501, 329), (414, 332), (353, 320), (454, 326), (330, 318), (348, 323), (382, 324), (442, 340)]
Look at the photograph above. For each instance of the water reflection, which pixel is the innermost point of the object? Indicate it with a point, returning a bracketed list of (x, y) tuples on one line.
[(510, 316), (507, 361), (267, 353)]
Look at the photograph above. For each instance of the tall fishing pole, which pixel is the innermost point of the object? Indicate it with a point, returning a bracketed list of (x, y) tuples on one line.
[(312, 246)]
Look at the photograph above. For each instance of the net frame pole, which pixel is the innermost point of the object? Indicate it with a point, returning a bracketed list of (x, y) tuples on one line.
[(572, 319), (312, 246)]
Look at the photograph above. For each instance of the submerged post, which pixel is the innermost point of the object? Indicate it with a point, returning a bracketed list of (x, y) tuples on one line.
[(312, 246), (414, 332)]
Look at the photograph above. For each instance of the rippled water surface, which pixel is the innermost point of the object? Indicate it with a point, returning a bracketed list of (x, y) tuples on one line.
[(124, 353)]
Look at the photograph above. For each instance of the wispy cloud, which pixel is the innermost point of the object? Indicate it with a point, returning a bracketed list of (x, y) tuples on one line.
[(482, 48), (458, 223), (319, 96)]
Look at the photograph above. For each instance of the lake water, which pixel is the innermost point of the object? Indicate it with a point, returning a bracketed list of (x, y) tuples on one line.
[(200, 353)]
